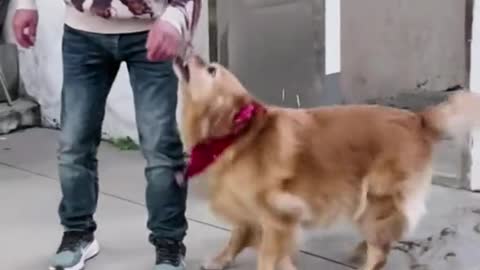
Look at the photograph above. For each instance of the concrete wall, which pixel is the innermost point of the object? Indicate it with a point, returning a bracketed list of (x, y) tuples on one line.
[(41, 71), (395, 46)]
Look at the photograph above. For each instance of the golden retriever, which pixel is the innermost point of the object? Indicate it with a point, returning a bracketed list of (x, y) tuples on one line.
[(272, 171)]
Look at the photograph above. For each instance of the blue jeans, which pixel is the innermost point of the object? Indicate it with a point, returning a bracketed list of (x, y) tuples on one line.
[(91, 62)]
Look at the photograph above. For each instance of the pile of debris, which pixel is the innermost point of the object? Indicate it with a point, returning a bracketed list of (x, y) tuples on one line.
[(454, 247), (16, 109)]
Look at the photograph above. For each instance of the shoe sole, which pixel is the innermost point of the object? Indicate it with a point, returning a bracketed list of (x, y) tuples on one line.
[(90, 252)]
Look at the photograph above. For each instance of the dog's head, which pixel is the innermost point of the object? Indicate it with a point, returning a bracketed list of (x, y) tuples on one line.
[(210, 97)]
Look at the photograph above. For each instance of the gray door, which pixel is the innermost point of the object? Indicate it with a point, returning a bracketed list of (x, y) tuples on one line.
[(276, 47)]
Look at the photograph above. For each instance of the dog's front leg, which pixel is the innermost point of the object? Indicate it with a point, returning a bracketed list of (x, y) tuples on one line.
[(287, 264), (376, 257), (275, 249), (241, 237)]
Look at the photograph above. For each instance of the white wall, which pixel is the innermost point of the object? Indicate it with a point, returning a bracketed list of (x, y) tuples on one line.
[(475, 87), (41, 70), (332, 34)]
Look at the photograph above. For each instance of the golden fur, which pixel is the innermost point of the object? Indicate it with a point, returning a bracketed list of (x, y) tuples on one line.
[(297, 168)]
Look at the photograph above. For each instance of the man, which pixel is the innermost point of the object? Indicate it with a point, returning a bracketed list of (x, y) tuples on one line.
[(98, 36)]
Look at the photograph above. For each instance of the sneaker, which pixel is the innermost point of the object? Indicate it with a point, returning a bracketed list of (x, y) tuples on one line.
[(170, 255), (76, 248)]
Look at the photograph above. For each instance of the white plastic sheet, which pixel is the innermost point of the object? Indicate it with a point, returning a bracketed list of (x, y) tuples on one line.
[(41, 71)]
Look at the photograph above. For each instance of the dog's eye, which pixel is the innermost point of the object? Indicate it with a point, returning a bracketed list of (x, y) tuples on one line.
[(211, 70)]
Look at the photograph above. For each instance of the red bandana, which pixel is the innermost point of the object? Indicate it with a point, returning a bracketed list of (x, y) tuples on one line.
[(206, 153)]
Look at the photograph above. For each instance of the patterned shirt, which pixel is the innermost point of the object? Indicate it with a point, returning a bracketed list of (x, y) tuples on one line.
[(117, 16)]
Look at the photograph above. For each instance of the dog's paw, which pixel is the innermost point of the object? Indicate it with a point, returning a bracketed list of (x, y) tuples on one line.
[(216, 264), (359, 254), (287, 264)]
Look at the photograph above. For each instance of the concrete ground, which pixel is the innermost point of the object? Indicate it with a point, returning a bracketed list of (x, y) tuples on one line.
[(447, 238)]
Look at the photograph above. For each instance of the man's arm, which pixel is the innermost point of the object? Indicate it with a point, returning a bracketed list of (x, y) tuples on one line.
[(26, 4), (183, 14), (178, 22)]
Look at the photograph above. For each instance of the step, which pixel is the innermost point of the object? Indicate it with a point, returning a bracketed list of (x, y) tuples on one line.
[(23, 113)]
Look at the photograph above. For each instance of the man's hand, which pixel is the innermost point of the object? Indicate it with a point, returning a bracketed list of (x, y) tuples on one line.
[(25, 23), (163, 41)]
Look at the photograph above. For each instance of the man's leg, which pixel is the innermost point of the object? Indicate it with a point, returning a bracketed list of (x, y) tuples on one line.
[(89, 70), (155, 97)]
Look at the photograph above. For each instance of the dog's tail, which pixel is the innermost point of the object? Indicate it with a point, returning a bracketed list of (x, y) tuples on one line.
[(453, 118)]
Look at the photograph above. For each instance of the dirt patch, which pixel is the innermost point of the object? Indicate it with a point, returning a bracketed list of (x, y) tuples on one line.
[(454, 246)]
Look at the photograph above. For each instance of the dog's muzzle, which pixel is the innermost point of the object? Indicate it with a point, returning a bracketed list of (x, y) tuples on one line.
[(183, 67)]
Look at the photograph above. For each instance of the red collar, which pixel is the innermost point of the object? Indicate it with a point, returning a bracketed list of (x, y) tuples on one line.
[(206, 153)]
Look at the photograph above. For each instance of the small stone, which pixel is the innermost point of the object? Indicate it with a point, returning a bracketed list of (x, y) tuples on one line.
[(419, 267), (449, 255), (477, 228), (447, 231)]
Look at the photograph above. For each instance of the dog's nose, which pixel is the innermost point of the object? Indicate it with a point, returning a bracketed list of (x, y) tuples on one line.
[(198, 61)]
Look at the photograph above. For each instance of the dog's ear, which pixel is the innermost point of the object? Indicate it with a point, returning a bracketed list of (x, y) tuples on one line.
[(224, 110)]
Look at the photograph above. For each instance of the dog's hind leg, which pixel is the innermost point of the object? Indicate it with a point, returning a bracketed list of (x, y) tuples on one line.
[(359, 253), (287, 264), (241, 237), (376, 257), (275, 248), (382, 224)]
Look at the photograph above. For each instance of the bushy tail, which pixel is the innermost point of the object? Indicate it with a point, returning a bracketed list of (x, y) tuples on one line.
[(455, 117)]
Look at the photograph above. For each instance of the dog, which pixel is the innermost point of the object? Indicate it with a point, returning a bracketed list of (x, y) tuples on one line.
[(273, 171)]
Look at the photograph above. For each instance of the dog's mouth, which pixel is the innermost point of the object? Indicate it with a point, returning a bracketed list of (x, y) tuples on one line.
[(183, 67)]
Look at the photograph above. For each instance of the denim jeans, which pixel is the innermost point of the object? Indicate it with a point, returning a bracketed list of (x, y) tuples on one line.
[(91, 62)]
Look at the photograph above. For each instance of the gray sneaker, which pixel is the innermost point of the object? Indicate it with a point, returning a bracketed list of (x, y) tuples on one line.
[(76, 248), (170, 255)]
